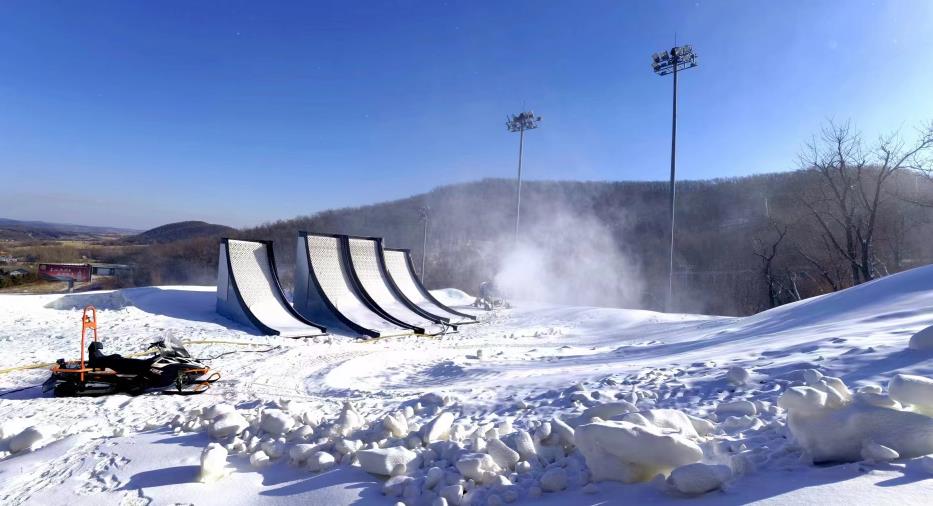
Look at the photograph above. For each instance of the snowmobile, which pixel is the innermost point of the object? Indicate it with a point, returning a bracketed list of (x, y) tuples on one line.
[(490, 298), (171, 370)]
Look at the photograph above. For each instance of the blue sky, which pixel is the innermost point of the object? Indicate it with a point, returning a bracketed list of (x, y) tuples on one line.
[(141, 113)]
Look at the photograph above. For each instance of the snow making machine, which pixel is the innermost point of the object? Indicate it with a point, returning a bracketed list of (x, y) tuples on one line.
[(170, 370)]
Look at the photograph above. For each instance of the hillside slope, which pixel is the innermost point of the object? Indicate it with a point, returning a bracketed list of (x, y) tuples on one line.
[(179, 231), (19, 230)]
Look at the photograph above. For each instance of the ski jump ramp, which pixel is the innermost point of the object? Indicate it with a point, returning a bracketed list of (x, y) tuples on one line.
[(249, 292), (402, 273), (327, 289), (368, 270)]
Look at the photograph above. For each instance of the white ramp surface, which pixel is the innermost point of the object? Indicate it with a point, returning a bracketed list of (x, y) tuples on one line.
[(327, 266), (364, 255), (398, 267), (254, 283)]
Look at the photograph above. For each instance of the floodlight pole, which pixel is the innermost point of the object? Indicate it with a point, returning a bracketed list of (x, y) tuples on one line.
[(518, 192), (664, 63), (519, 123), (425, 212), (673, 193)]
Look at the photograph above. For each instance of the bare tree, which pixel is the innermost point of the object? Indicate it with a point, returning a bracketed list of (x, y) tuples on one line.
[(850, 189), (766, 249)]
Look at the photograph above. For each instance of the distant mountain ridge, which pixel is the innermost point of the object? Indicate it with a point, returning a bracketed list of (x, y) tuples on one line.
[(26, 229), (179, 231)]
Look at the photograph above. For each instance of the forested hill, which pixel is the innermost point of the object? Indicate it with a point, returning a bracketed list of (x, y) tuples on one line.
[(179, 231), (728, 232)]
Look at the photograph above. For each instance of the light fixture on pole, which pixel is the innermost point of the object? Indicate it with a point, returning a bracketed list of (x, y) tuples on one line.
[(519, 123), (425, 212), (664, 63)]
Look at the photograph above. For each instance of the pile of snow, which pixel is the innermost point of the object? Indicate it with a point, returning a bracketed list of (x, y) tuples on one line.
[(629, 453), (17, 436), (453, 297), (913, 392), (832, 424), (922, 340)]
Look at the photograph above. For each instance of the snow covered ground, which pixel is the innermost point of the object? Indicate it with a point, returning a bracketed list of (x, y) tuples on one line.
[(534, 404)]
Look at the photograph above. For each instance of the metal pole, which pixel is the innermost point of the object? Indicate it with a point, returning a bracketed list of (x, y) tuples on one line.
[(424, 248), (673, 192), (518, 193)]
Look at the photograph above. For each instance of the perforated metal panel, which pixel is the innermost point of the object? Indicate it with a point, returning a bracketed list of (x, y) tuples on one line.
[(364, 253), (397, 265), (250, 264), (328, 268), (325, 260), (255, 285)]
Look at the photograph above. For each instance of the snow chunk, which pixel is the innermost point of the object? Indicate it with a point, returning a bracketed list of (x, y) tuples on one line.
[(915, 391), (276, 422), (452, 494), (802, 399), (606, 411), (382, 461), (439, 428), (833, 429), (433, 477), (877, 399), (10, 428), (32, 437), (741, 423), (922, 340), (259, 459), (554, 480), (738, 376), (524, 445), (397, 424), (563, 431), (432, 398), (321, 461), (228, 424), (504, 456), (630, 453), (739, 408), (698, 478), (274, 449), (213, 411), (475, 466), (702, 426), (213, 463), (349, 419), (669, 420), (301, 452)]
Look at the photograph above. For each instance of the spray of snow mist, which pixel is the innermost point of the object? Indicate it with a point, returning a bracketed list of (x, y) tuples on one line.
[(569, 259)]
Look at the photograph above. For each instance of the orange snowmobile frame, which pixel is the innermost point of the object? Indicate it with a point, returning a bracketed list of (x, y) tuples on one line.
[(89, 323)]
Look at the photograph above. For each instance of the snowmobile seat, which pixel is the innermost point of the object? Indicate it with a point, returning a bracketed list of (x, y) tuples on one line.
[(118, 363)]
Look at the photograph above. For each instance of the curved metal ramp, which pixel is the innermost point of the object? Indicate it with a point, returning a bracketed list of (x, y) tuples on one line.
[(249, 292), (325, 291), (402, 272), (368, 271)]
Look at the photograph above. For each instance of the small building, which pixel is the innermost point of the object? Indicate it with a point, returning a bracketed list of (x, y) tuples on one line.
[(110, 269), (18, 273)]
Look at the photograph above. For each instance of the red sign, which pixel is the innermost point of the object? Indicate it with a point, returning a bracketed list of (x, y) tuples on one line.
[(64, 272)]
